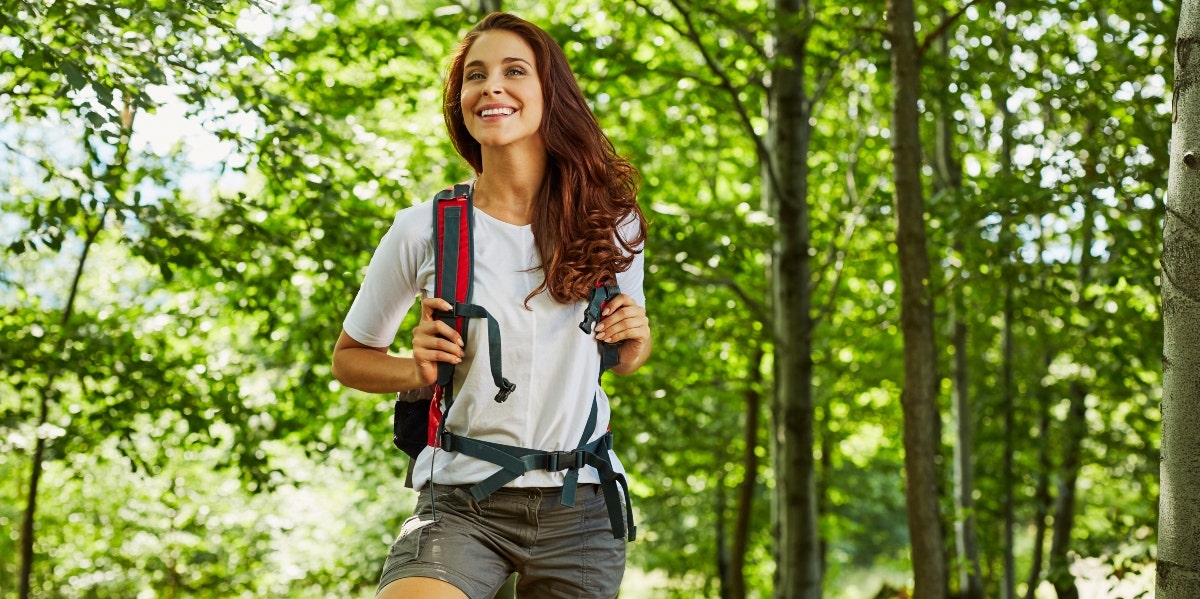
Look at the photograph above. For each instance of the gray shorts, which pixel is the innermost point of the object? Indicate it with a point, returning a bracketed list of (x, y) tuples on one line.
[(558, 551)]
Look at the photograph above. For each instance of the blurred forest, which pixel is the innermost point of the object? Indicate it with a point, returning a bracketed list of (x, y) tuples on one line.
[(190, 192)]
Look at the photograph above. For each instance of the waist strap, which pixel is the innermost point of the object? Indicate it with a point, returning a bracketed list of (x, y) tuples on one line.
[(517, 461)]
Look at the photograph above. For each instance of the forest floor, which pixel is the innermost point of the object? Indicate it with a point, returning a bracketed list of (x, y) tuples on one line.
[(1093, 577)]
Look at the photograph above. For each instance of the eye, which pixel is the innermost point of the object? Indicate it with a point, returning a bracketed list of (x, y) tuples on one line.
[(514, 71), (473, 76)]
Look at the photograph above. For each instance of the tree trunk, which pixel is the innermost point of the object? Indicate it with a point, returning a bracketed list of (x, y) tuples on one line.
[(1041, 493), (725, 575), (1178, 572), (1064, 509), (1074, 430), (798, 572), (29, 518), (970, 580), (27, 521), (745, 502), (919, 394), (1008, 583)]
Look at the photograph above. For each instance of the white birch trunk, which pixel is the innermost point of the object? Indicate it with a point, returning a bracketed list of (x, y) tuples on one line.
[(1178, 574)]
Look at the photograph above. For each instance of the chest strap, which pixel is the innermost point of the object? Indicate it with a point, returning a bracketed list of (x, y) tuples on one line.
[(517, 461)]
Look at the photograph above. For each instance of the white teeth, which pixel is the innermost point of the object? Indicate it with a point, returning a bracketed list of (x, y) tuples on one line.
[(495, 111)]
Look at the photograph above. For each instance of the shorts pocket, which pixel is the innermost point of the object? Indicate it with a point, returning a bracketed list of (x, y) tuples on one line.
[(408, 543)]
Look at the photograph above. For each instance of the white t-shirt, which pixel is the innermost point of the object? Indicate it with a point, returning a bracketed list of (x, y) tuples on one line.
[(554, 365)]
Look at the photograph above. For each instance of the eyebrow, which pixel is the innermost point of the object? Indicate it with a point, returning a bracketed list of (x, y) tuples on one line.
[(507, 60)]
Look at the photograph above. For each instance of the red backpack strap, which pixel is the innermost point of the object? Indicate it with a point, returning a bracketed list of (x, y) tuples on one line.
[(454, 246), (453, 252)]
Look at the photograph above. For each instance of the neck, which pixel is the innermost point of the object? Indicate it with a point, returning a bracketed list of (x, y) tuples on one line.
[(509, 184)]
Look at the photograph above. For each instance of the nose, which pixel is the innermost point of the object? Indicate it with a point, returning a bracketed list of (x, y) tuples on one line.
[(493, 87)]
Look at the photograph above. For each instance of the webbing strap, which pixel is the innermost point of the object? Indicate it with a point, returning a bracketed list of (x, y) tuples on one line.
[(571, 481), (474, 311), (603, 292), (452, 213), (450, 238), (517, 461)]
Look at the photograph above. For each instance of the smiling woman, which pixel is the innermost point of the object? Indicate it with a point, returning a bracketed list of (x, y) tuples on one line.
[(530, 485)]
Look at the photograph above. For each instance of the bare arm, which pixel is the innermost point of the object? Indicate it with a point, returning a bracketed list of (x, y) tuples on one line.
[(373, 370)]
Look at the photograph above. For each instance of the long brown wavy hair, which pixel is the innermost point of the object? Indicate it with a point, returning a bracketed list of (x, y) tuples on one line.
[(589, 190)]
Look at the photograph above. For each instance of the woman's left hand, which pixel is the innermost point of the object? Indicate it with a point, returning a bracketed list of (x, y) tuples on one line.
[(624, 320)]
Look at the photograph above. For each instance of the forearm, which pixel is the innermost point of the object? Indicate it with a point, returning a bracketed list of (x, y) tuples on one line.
[(374, 371), (633, 355)]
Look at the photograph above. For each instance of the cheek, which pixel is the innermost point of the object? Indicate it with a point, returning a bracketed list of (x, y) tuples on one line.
[(466, 99)]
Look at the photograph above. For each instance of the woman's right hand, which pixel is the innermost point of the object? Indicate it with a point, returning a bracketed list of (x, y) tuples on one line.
[(434, 341)]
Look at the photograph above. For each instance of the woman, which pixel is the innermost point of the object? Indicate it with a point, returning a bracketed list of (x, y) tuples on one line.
[(555, 214)]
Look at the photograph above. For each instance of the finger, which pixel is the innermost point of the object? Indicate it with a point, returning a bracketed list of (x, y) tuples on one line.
[(618, 314), (616, 303), (436, 349), (444, 331), (443, 356), (433, 304), (634, 327), (436, 333)]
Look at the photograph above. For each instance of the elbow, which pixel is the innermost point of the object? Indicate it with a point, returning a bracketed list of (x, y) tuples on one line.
[(339, 367)]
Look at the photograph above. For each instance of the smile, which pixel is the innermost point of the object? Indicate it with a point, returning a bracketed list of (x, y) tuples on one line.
[(496, 112)]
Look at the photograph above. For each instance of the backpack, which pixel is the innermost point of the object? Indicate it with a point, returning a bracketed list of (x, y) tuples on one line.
[(419, 418)]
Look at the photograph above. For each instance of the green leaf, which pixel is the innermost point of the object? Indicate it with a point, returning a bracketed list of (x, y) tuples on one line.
[(74, 76)]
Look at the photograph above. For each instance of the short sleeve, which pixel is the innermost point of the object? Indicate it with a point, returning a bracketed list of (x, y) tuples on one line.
[(399, 270), (631, 281)]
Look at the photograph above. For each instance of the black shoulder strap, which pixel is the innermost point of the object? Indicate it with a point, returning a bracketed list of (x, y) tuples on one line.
[(603, 291)]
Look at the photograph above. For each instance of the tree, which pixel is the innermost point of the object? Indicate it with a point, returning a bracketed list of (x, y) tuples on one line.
[(88, 71), (1178, 573), (785, 167), (919, 397)]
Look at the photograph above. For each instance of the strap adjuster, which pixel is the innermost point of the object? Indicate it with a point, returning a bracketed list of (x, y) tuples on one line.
[(563, 460), (505, 390)]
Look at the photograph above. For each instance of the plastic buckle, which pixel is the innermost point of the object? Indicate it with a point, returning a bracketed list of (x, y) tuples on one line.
[(560, 460), (504, 392), (446, 441)]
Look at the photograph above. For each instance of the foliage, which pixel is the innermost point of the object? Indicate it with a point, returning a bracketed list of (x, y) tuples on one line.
[(197, 445)]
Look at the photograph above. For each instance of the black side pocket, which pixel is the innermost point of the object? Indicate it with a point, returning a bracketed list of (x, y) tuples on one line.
[(410, 426)]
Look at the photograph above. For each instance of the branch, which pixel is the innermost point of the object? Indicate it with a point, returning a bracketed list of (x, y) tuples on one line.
[(754, 307), (941, 29), (746, 35), (838, 258), (827, 76), (45, 163), (693, 35)]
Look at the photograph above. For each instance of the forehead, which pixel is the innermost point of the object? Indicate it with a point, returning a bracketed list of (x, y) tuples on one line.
[(498, 45)]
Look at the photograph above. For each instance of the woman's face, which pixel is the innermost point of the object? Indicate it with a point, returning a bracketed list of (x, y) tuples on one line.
[(501, 94)]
